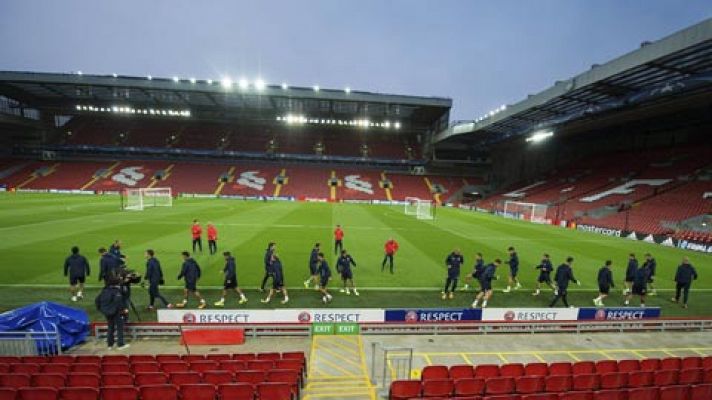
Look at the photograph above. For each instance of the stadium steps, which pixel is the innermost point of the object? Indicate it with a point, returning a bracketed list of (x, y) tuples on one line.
[(167, 171), (97, 177), (337, 369), (221, 185), (278, 186), (436, 196)]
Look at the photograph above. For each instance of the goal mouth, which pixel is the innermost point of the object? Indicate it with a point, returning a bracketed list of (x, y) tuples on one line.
[(533, 212), (421, 209), (139, 198)]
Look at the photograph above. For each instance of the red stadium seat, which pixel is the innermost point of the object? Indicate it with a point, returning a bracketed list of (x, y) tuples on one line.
[(293, 355), (4, 368), (14, 380), (674, 392), (628, 365), (294, 365), (691, 376), (184, 378), (469, 387), (218, 377), (234, 366), (703, 391), (536, 369), (174, 366), (560, 368), (708, 375), (260, 365), (535, 396), (585, 382), (236, 391), (647, 393), (218, 357), (499, 386), (707, 362), (205, 365), (437, 388), (290, 377), (162, 392), (640, 378), (198, 391), (189, 358), (108, 368), (78, 379), (557, 383), (10, 360), (25, 368), (253, 377), (48, 380), (150, 378), (115, 359), (486, 371), (614, 380), (577, 396), (269, 356), (79, 393), (618, 394), (434, 372), (691, 363), (583, 367), (606, 366), (7, 393), (670, 363), (117, 379), (511, 370), (141, 367), (53, 368), (35, 359), (665, 378), (650, 364), (404, 390), (37, 393), (87, 359), (86, 368), (161, 358), (529, 384), (62, 359), (134, 358), (273, 391), (119, 393), (245, 356), (461, 372)]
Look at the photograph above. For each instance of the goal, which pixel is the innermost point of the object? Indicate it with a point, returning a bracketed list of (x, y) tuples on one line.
[(138, 199), (422, 209), (527, 211)]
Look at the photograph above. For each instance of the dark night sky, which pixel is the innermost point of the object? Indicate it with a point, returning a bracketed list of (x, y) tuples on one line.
[(479, 53)]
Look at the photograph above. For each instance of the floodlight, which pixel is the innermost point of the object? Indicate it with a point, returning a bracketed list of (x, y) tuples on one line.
[(209, 81), (316, 88), (539, 136), (79, 108), (114, 75), (259, 84), (79, 72), (285, 86), (243, 83), (226, 82), (192, 80), (175, 79), (347, 90), (397, 125), (149, 77)]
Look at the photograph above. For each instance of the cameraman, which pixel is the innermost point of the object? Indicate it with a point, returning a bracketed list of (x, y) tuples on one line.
[(154, 276), (112, 303)]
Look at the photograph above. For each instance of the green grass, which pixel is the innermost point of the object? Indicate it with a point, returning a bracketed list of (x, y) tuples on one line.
[(37, 230)]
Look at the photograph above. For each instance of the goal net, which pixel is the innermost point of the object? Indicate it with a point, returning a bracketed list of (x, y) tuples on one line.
[(422, 209), (527, 211), (138, 199)]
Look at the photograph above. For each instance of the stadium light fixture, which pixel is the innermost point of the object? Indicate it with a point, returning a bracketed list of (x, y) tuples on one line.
[(285, 86), (176, 79), (209, 81), (243, 83), (226, 82), (149, 77), (539, 136), (79, 73), (397, 125), (114, 75), (316, 88), (259, 84), (192, 80), (347, 90)]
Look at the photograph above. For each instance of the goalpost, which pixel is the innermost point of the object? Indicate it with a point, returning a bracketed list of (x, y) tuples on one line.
[(527, 211), (422, 209), (138, 199)]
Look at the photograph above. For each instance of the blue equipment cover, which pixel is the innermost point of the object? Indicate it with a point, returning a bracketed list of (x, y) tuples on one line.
[(72, 324)]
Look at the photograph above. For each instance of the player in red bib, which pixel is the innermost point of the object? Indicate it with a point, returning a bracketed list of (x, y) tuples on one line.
[(391, 247), (212, 238), (196, 231), (338, 239)]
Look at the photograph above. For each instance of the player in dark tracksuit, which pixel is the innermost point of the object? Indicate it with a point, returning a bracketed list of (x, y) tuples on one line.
[(630, 273), (488, 274), (640, 285), (513, 270), (154, 276), (343, 266), (324, 275), (684, 276), (76, 267), (230, 283), (277, 272), (313, 260), (190, 272), (476, 271), (453, 261), (545, 269), (108, 265), (651, 265), (271, 248), (564, 275), (605, 283)]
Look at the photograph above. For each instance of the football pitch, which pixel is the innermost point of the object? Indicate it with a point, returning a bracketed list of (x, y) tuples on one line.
[(37, 231)]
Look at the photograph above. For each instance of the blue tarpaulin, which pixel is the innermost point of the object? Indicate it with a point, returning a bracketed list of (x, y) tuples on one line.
[(72, 324)]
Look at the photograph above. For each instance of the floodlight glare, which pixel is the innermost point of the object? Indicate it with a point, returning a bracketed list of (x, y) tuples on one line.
[(285, 86), (243, 84), (316, 88), (192, 80), (259, 84), (114, 75), (79, 72), (149, 77), (209, 81), (175, 79), (539, 136), (226, 82), (397, 125), (347, 90)]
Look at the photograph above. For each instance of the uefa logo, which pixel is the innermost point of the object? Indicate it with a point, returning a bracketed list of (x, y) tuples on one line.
[(189, 318), (509, 316), (600, 314), (304, 317), (411, 316)]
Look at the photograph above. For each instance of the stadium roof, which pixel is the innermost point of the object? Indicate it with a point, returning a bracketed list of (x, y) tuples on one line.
[(61, 93), (677, 65)]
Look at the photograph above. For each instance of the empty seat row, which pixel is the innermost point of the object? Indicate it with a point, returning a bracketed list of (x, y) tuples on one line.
[(118, 358), (563, 368), (234, 391)]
